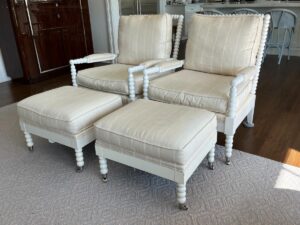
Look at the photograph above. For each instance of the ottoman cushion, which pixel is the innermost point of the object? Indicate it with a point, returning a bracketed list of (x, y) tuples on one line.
[(67, 109), (157, 131)]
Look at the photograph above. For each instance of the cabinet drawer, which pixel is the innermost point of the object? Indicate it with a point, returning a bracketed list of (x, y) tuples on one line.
[(192, 8)]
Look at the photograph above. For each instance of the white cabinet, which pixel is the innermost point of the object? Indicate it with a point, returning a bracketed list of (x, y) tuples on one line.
[(133, 7)]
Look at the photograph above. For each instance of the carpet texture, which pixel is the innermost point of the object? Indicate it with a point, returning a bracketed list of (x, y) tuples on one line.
[(42, 187)]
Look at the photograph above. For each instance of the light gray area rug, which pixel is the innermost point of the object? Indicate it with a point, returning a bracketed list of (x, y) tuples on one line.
[(42, 187)]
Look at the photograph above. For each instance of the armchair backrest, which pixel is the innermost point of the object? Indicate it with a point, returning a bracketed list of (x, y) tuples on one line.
[(223, 44), (146, 37)]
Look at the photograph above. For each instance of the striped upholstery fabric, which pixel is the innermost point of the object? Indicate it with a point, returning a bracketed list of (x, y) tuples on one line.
[(223, 44), (198, 89), (111, 78), (151, 132), (144, 37), (67, 110)]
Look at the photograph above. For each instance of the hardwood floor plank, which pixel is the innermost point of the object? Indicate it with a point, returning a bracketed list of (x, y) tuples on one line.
[(277, 114)]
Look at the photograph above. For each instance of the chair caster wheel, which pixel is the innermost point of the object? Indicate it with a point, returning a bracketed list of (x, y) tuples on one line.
[(30, 148), (211, 166), (79, 169), (183, 207), (227, 161), (104, 178)]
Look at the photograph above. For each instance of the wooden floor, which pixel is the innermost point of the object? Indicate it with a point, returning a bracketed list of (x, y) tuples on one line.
[(276, 134)]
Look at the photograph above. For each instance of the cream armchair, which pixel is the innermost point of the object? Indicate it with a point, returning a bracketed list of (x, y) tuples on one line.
[(144, 40), (221, 70)]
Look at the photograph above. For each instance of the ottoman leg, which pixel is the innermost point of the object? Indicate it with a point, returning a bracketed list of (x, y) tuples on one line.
[(79, 160), (228, 148), (29, 141), (211, 159), (181, 196), (103, 168)]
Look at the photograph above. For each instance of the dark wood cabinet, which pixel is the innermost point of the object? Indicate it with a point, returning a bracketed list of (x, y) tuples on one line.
[(49, 33)]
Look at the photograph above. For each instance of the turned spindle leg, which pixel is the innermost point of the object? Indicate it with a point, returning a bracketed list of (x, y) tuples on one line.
[(79, 160), (145, 86), (73, 73), (29, 141), (103, 168), (131, 86), (211, 159), (181, 196), (228, 148)]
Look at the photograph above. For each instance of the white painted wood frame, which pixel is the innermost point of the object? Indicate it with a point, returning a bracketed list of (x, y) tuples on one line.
[(234, 116), (76, 142), (180, 177), (131, 70)]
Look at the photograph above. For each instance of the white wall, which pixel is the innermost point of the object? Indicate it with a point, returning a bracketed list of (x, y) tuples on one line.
[(115, 16), (3, 74), (98, 19), (8, 44), (99, 24)]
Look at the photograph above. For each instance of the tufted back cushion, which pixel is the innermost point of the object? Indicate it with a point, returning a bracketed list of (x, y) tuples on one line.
[(144, 37), (223, 44)]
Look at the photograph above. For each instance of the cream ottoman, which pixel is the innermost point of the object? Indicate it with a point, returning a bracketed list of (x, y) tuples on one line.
[(166, 140), (65, 115)]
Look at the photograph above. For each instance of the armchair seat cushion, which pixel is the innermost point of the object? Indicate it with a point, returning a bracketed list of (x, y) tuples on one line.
[(198, 89), (110, 78)]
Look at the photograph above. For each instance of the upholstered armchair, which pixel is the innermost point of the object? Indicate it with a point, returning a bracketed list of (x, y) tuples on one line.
[(143, 41), (221, 70)]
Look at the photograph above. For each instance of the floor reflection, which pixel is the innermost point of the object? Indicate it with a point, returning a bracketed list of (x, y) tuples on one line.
[(292, 157), (288, 178)]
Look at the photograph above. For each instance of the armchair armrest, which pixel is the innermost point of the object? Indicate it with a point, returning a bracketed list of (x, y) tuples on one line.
[(246, 74), (163, 64), (163, 67), (169, 65), (155, 62), (160, 68), (100, 57), (147, 64)]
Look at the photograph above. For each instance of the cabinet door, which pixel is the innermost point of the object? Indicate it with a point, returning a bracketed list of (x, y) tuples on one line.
[(73, 29), (47, 34), (50, 33), (129, 7), (18, 9), (133, 7), (149, 6), (58, 32)]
